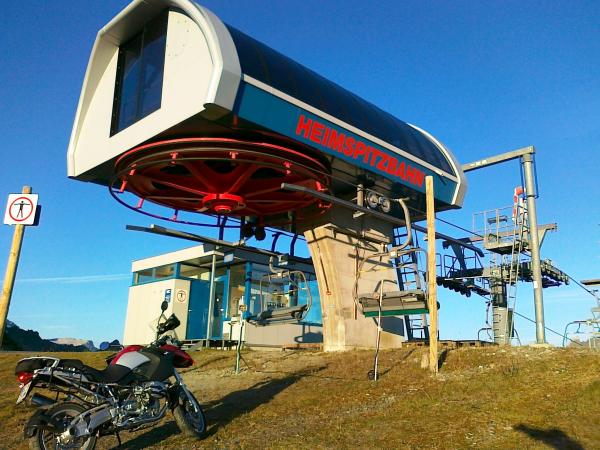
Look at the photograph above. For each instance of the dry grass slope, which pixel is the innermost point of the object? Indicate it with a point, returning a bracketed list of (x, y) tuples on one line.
[(483, 398)]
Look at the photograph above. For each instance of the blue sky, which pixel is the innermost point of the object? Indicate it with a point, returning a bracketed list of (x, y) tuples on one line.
[(484, 77)]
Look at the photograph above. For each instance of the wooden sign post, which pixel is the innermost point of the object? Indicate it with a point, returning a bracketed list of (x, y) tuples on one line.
[(11, 269), (431, 277)]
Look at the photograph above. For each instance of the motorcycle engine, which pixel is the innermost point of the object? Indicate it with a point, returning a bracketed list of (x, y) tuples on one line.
[(142, 405)]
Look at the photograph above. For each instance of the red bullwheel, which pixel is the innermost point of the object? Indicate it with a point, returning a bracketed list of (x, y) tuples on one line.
[(224, 177)]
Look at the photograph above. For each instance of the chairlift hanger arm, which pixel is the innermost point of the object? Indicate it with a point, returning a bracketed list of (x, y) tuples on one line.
[(162, 231), (377, 214)]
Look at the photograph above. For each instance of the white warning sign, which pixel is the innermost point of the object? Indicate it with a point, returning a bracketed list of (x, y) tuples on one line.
[(20, 209)]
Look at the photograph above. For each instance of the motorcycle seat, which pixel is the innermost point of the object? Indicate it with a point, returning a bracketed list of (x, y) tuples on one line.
[(111, 374)]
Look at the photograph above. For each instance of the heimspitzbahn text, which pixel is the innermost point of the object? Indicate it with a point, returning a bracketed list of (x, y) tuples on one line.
[(331, 138)]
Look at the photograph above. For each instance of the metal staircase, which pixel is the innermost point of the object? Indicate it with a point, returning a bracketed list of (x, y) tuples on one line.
[(519, 241), (410, 278)]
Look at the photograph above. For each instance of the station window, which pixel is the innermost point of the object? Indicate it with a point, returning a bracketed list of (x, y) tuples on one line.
[(194, 271), (258, 270), (143, 276), (155, 274), (140, 69), (164, 271)]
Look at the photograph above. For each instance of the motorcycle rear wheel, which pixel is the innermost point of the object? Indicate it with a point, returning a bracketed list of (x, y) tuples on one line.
[(62, 413), (191, 422)]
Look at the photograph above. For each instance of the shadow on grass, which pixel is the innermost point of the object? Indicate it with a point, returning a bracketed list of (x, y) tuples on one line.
[(442, 358), (149, 438), (553, 437), (223, 411), (202, 365), (382, 372), (407, 355)]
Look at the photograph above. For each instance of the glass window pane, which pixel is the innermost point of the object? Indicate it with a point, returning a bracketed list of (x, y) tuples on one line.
[(258, 271), (237, 288), (308, 86), (193, 271), (140, 69), (249, 55), (278, 75), (130, 55), (153, 65), (164, 271), (267, 65), (143, 276)]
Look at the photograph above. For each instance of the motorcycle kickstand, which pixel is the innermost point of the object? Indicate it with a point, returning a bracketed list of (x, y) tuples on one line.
[(118, 438)]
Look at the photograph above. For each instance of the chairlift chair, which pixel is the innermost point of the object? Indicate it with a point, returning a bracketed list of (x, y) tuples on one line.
[(379, 304), (276, 307), (393, 303)]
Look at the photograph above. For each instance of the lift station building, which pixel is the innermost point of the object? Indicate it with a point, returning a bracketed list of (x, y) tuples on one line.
[(182, 115), (243, 285)]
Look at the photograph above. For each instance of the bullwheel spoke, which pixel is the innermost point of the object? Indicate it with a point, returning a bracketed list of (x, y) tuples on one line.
[(173, 185), (200, 175), (241, 178)]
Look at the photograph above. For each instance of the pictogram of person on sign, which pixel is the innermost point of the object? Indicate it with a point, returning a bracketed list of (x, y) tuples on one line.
[(21, 204)]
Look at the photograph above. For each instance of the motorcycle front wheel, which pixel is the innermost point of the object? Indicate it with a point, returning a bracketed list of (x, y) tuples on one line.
[(190, 421), (61, 414)]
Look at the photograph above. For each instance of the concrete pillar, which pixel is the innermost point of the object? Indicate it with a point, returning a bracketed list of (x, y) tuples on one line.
[(334, 250)]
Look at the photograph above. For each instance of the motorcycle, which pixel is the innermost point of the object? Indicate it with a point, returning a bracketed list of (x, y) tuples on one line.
[(134, 391)]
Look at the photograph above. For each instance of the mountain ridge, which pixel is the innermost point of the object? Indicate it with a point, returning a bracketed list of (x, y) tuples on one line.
[(18, 339)]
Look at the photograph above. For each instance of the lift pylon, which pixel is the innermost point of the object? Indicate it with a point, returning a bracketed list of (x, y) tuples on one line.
[(526, 157)]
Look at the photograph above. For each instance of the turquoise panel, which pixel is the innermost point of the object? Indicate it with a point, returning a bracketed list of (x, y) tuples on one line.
[(314, 316), (197, 320), (278, 115)]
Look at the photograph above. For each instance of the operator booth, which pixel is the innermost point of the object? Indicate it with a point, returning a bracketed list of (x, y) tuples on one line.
[(212, 290)]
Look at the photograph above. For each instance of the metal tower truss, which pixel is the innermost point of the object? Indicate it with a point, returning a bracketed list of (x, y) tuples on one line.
[(504, 234)]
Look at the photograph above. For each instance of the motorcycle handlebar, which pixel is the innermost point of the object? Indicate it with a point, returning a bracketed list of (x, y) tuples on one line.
[(166, 338), (160, 341)]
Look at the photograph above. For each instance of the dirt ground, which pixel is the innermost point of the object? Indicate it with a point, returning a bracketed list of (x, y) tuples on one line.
[(483, 398)]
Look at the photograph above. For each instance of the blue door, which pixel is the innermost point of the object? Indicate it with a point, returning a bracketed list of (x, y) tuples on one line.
[(197, 320), (220, 306)]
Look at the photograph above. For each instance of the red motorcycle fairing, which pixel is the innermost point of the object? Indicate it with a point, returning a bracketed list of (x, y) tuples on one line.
[(180, 357)]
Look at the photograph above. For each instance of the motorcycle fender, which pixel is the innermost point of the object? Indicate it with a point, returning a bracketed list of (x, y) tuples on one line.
[(37, 421), (173, 396), (178, 394)]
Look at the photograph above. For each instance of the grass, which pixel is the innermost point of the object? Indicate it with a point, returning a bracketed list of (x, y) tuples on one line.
[(483, 398)]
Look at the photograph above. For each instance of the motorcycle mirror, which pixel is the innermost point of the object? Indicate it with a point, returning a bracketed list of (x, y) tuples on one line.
[(164, 305), (104, 346), (171, 323)]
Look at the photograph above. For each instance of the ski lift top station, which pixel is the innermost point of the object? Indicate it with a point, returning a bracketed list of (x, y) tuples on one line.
[(182, 112)]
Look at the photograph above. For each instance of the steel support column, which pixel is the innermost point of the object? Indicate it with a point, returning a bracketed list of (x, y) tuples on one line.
[(534, 245), (211, 297)]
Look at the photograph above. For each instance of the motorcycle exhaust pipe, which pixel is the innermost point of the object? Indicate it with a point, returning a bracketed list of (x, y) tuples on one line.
[(41, 400)]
